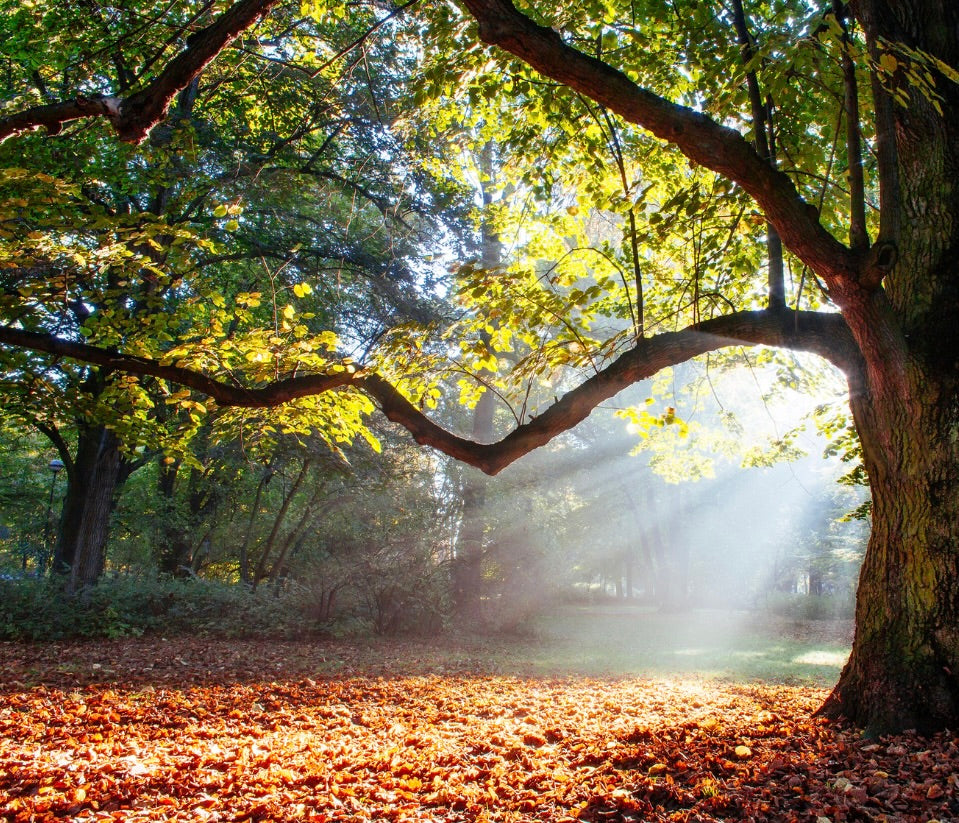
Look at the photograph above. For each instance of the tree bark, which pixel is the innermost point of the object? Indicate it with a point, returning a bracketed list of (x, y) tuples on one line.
[(904, 668), (92, 482), (902, 673)]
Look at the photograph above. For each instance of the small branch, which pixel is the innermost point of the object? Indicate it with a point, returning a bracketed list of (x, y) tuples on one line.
[(52, 433), (359, 41), (858, 234), (887, 157), (764, 138), (639, 321)]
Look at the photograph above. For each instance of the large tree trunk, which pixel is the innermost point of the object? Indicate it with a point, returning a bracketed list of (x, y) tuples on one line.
[(904, 668), (91, 485), (905, 659)]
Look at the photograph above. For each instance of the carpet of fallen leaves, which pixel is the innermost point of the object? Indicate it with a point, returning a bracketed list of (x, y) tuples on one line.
[(250, 731)]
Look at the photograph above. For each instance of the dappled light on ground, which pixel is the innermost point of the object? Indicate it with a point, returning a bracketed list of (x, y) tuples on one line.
[(244, 731)]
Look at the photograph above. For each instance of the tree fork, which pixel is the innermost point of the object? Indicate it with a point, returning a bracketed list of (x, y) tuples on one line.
[(135, 115)]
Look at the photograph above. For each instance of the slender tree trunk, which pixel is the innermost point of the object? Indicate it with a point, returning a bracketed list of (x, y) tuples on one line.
[(174, 543), (245, 576), (467, 569), (471, 546), (629, 560), (260, 572), (904, 668), (296, 536), (85, 523)]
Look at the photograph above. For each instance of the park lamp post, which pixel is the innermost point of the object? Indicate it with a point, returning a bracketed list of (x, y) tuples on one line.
[(55, 466)]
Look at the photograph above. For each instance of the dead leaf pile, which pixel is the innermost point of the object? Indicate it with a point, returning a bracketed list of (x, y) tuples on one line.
[(185, 730)]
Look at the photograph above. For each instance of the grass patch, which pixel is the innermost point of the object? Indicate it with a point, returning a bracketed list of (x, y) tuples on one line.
[(627, 640)]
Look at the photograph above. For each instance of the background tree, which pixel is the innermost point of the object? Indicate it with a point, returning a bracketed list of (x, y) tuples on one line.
[(289, 164)]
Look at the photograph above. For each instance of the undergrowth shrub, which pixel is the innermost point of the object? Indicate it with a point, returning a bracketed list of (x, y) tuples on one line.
[(36, 610)]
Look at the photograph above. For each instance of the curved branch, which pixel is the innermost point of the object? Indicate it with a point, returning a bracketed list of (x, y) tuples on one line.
[(225, 394), (52, 433), (133, 116), (700, 138), (824, 334)]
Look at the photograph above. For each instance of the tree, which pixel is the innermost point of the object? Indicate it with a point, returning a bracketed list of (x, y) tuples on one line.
[(728, 88), (111, 244)]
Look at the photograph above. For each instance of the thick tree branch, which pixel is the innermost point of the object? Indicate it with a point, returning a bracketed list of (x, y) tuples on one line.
[(52, 433), (824, 334), (133, 116), (700, 138)]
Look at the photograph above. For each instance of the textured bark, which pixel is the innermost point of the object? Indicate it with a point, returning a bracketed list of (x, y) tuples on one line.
[(92, 481), (904, 668)]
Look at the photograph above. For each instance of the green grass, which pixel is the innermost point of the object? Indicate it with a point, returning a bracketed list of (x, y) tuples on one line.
[(623, 640)]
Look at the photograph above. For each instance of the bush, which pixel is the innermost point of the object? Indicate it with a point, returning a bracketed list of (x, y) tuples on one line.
[(37, 610)]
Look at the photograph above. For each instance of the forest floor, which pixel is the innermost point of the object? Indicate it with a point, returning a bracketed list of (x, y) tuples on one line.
[(455, 730)]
